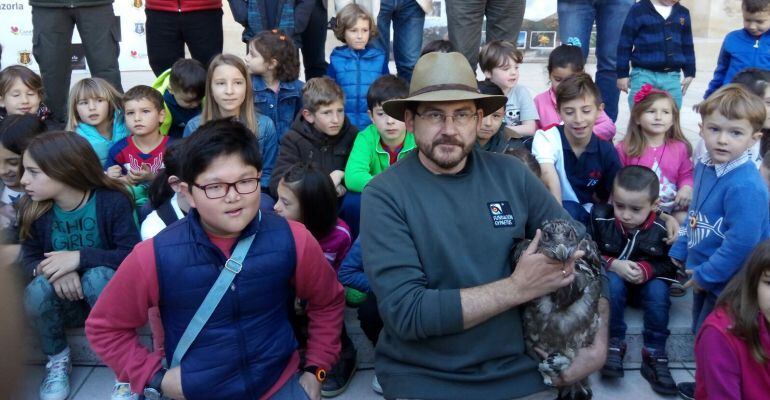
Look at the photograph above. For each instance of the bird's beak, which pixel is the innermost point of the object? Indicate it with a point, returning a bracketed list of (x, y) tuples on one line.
[(562, 252)]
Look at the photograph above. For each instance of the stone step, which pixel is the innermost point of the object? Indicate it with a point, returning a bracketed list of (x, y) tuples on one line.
[(680, 343), (80, 349)]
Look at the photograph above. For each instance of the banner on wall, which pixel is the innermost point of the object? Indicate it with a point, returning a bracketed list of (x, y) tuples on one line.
[(16, 36)]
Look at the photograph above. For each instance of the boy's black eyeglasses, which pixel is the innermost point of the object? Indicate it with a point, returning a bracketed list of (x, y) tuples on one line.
[(220, 189)]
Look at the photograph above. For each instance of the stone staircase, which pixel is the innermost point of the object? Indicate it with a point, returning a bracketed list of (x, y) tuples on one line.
[(680, 343)]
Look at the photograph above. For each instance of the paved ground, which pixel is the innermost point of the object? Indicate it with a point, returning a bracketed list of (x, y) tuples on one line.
[(90, 382)]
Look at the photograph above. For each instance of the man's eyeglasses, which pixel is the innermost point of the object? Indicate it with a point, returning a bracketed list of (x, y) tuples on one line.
[(439, 118), (220, 189)]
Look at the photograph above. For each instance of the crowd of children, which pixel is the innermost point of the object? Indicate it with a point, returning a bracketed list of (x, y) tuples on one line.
[(244, 163)]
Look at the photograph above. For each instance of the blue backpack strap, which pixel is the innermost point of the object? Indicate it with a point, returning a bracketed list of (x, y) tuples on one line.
[(231, 268)]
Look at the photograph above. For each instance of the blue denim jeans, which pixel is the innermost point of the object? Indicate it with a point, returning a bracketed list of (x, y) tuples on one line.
[(576, 18), (50, 315), (654, 299), (291, 390), (350, 212), (577, 212), (702, 305), (670, 81), (408, 19)]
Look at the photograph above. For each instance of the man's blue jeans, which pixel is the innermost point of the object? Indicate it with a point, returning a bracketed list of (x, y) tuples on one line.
[(408, 19), (654, 299), (576, 19)]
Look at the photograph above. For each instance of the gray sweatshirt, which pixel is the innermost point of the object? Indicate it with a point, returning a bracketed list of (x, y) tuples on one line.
[(425, 237)]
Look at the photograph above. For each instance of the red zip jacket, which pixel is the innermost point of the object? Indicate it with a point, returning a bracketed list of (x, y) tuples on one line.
[(182, 5), (123, 306)]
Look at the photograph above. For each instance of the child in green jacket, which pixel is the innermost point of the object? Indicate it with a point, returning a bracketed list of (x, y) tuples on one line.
[(383, 142)]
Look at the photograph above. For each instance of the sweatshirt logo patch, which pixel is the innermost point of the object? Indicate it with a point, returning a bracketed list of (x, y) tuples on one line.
[(500, 212)]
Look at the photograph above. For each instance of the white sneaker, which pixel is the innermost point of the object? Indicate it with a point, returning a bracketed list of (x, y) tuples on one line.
[(56, 385), (376, 386), (122, 391)]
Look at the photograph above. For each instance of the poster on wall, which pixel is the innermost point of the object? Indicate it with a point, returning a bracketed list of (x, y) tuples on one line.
[(16, 36)]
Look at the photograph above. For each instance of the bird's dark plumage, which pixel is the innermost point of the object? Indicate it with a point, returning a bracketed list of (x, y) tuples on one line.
[(566, 320)]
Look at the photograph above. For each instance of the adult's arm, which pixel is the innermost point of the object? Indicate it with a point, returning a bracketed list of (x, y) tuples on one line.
[(411, 309), (316, 281), (719, 364), (120, 310), (535, 275)]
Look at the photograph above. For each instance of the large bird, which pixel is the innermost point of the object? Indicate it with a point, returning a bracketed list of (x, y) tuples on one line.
[(566, 320)]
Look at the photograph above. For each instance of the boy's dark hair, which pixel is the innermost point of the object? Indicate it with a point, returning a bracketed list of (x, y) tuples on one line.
[(766, 160), (527, 158), (576, 87), (438, 45), (275, 45), (319, 92), (160, 191), (317, 197), (142, 92), (384, 88), (756, 80), (636, 178), (188, 76), (755, 6), (565, 56), (497, 53), (17, 131), (217, 138), (488, 87)]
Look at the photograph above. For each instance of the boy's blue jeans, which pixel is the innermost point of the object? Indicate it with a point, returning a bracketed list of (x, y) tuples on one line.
[(670, 81), (577, 212), (576, 19), (50, 315), (702, 304), (654, 299), (408, 19)]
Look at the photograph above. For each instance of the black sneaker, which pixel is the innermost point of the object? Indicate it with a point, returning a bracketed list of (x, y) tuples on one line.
[(613, 367), (655, 371), (686, 390), (341, 374)]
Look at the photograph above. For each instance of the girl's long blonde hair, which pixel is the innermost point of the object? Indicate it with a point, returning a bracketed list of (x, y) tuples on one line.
[(68, 158), (635, 142), (211, 108), (91, 88)]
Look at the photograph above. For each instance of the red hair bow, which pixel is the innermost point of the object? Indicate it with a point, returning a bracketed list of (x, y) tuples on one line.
[(645, 91)]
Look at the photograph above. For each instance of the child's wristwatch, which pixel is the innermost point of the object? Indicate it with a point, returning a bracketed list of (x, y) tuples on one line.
[(319, 373)]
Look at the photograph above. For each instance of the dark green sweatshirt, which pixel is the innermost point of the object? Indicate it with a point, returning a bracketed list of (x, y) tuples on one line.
[(425, 237)]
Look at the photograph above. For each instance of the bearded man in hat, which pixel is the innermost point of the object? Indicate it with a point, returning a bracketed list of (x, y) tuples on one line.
[(436, 230)]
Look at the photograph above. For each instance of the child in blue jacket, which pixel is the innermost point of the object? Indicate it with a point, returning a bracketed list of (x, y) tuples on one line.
[(744, 48), (356, 64)]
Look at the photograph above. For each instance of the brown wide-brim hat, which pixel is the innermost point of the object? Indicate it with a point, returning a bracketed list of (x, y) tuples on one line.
[(443, 77)]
